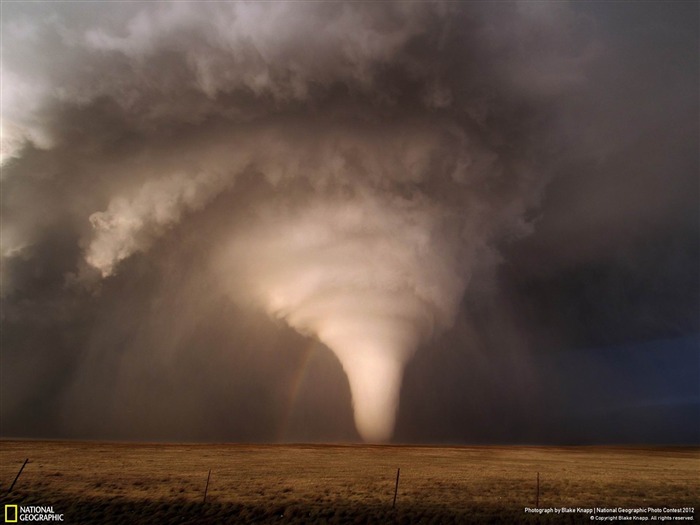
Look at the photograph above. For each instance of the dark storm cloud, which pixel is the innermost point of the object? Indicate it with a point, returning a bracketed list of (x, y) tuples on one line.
[(483, 181)]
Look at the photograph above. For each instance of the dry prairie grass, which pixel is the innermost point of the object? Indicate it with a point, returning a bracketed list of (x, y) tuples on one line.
[(154, 483)]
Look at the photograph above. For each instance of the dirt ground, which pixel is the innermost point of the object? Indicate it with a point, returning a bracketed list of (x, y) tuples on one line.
[(165, 483)]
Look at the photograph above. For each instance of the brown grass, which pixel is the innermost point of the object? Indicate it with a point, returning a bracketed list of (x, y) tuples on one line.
[(149, 483)]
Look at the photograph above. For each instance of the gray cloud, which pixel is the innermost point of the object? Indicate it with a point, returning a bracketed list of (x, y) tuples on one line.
[(365, 174)]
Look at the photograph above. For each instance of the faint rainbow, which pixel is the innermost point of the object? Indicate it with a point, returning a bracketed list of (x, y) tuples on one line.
[(295, 386)]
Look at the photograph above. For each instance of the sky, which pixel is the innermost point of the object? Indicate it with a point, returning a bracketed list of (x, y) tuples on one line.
[(408, 222)]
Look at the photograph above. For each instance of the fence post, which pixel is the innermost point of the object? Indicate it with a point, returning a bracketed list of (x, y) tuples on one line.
[(396, 490), (206, 487), (17, 476)]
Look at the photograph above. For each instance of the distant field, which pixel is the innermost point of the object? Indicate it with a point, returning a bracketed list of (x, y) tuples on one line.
[(149, 483)]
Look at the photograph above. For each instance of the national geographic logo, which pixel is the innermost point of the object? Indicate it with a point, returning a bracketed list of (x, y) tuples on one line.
[(18, 513)]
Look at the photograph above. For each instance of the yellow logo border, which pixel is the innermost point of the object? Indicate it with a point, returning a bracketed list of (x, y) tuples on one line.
[(7, 520)]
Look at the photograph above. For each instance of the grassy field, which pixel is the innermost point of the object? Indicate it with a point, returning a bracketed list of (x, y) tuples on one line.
[(153, 483)]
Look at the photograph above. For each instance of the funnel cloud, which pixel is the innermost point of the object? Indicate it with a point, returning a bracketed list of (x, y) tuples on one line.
[(370, 277), (198, 198)]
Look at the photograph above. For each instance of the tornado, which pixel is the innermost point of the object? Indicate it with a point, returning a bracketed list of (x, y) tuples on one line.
[(371, 278)]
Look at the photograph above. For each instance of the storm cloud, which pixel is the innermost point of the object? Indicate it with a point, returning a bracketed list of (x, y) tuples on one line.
[(199, 200)]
